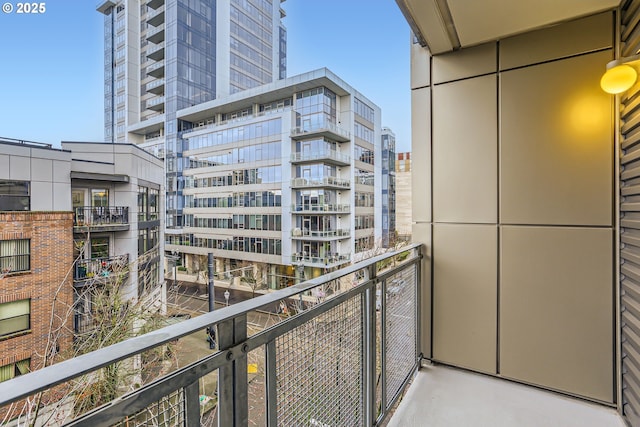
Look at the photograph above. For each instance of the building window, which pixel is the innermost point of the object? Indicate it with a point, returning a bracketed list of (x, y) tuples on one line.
[(99, 247), (15, 317), (13, 370), (15, 255), (14, 196)]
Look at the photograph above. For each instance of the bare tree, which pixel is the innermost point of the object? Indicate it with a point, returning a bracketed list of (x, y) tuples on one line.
[(101, 314)]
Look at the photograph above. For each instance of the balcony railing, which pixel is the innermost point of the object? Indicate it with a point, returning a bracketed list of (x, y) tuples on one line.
[(90, 216), (342, 358), (330, 155), (86, 269), (329, 181), (329, 260), (327, 129), (317, 207), (298, 233)]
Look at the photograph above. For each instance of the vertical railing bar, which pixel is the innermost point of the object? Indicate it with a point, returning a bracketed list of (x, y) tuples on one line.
[(383, 345), (418, 302), (225, 377), (192, 404), (240, 378), (271, 386), (369, 348)]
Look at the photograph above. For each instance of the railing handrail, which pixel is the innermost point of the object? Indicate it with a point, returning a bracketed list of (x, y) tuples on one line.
[(320, 154), (320, 207), (50, 376)]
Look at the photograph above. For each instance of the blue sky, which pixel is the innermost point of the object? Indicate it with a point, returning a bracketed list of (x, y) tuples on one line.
[(51, 65)]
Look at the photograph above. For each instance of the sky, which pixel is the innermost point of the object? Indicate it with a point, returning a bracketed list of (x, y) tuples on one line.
[(51, 64)]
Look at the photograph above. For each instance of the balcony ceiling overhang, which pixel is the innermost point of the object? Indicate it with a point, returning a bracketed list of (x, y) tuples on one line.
[(446, 25)]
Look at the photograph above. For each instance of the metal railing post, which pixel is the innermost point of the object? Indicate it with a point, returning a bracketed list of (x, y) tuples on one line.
[(271, 386), (233, 401), (192, 404), (369, 347)]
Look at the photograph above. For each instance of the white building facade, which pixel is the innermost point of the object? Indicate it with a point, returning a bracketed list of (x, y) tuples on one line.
[(284, 177)]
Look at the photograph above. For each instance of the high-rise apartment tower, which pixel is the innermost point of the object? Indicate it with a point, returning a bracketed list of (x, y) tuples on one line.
[(165, 55)]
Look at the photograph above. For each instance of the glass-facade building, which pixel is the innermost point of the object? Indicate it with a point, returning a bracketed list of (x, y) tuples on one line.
[(388, 188), (163, 56)]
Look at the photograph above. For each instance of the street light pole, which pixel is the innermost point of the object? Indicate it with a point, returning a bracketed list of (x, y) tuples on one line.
[(175, 270), (211, 331)]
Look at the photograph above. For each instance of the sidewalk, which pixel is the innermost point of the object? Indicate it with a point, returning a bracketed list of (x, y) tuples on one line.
[(218, 283)]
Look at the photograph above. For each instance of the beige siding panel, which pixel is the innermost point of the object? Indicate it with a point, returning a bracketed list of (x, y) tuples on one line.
[(556, 299), (465, 150), (421, 154), (421, 232), (556, 144), (420, 66), (469, 62), (559, 41), (465, 295)]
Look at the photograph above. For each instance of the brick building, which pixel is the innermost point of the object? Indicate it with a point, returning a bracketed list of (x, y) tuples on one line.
[(41, 229)]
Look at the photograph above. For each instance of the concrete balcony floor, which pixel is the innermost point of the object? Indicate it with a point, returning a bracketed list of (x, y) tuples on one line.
[(446, 397)]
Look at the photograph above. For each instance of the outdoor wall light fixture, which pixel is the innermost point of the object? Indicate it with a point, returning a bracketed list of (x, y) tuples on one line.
[(621, 74)]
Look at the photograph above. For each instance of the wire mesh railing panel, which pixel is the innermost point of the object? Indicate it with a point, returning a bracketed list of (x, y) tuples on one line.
[(400, 339), (166, 412), (319, 369)]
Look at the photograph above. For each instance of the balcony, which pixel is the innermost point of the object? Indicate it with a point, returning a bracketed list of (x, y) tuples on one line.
[(99, 268), (306, 208), (156, 87), (327, 129), (156, 104), (323, 362), (304, 234), (329, 261), (342, 353), (154, 4), (100, 218), (327, 156), (156, 70), (155, 17), (155, 35), (156, 52), (328, 182)]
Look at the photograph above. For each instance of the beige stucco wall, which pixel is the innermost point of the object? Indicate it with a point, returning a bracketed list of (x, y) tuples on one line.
[(513, 152)]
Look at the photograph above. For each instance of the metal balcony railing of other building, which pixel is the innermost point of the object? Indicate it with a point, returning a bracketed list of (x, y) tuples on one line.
[(328, 260), (342, 358), (328, 181), (86, 269), (319, 207), (298, 233), (91, 216), (325, 128), (339, 158)]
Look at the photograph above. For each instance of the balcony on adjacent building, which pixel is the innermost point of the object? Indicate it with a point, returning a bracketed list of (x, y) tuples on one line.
[(326, 129), (86, 270), (156, 87), (329, 260), (156, 34), (100, 218), (327, 156), (156, 104), (305, 208), (310, 234), (155, 17), (156, 70), (156, 52), (327, 182), (155, 4)]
